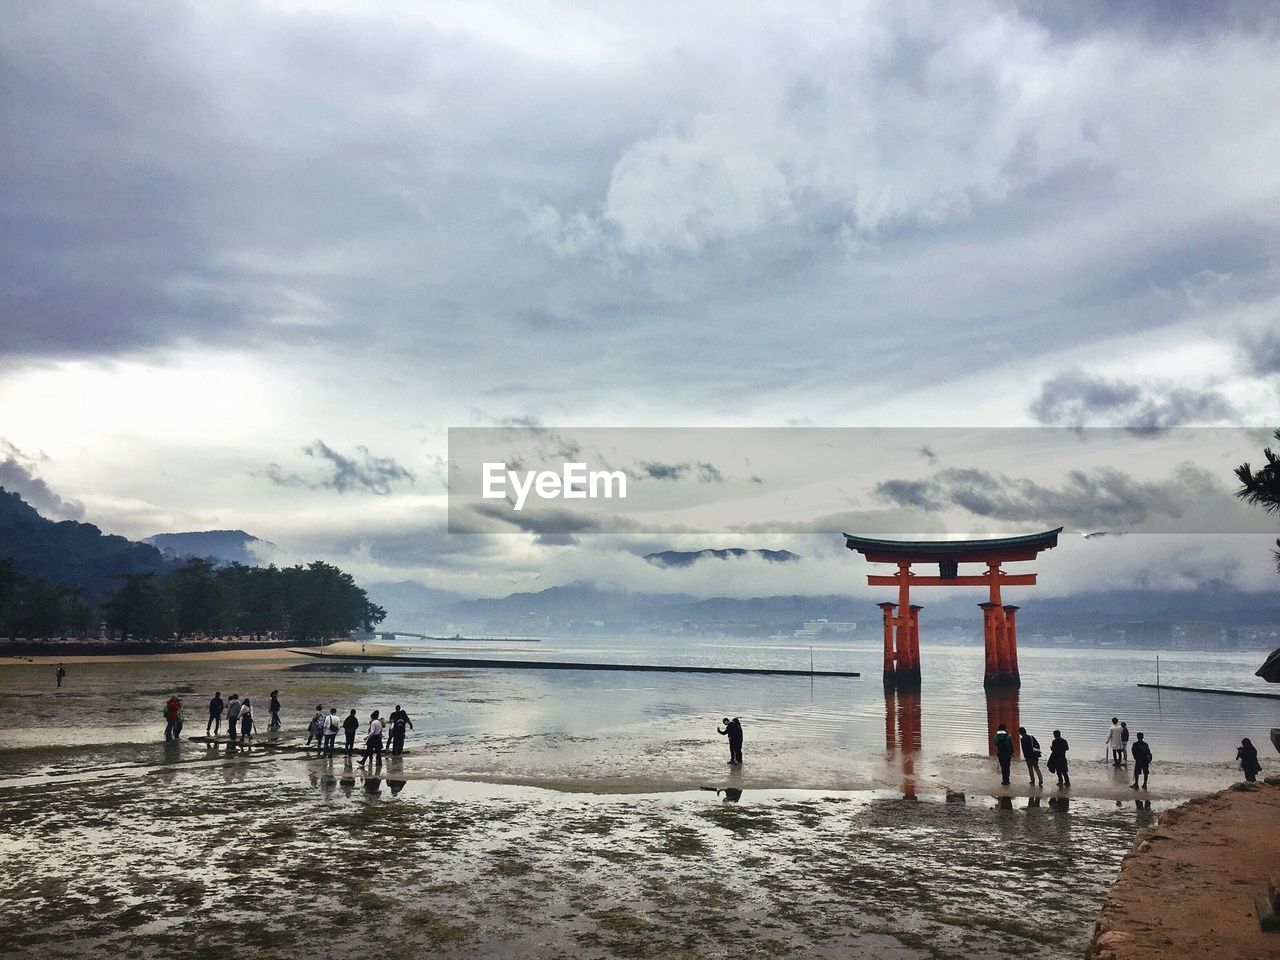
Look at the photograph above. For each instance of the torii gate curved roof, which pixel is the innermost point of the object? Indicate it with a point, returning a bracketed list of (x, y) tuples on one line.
[(958, 551)]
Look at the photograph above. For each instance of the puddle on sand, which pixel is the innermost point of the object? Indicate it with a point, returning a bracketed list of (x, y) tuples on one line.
[(210, 860)]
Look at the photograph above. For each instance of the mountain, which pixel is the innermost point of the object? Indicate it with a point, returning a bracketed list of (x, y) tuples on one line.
[(69, 553), (225, 546), (687, 558), (583, 608)]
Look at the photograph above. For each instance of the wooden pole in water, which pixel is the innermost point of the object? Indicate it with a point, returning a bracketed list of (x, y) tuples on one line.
[(1157, 671)]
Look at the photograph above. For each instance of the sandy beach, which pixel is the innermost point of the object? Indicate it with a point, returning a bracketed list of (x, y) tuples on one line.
[(346, 649), (1187, 889)]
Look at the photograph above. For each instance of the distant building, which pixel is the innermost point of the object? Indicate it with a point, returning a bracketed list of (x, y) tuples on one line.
[(1198, 635), (816, 628), (1148, 633)]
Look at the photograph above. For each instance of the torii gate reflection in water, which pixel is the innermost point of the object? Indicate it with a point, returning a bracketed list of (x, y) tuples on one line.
[(902, 619)]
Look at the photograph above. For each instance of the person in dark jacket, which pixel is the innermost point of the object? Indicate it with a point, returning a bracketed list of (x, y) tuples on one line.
[(1247, 754), (1031, 754), (733, 730), (1058, 758), (400, 724), (215, 714), (60, 673), (1004, 752), (349, 727), (1141, 751), (273, 708)]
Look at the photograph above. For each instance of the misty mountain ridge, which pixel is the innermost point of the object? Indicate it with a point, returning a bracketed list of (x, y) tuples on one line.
[(687, 558), (582, 605), (222, 546)]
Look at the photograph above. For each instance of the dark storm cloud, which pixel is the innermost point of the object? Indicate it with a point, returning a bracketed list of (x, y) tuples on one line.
[(1260, 355), (1162, 19), (700, 470), (18, 474), (494, 201), (553, 526), (1088, 500), (1078, 399), (344, 473)]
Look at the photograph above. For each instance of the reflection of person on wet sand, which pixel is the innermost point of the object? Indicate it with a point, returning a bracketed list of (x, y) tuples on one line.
[(733, 730)]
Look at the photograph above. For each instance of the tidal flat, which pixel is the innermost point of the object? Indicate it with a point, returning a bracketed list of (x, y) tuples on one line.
[(541, 815), (290, 857)]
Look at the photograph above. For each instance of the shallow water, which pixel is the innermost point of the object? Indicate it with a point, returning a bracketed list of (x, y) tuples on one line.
[(847, 719)]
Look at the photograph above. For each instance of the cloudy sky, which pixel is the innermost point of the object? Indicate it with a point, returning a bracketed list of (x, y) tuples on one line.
[(260, 256)]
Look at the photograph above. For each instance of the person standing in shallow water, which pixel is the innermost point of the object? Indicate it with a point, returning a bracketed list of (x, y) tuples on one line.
[(1247, 754), (215, 714), (399, 721), (373, 742), (172, 715), (349, 727), (60, 674), (1124, 743), (1031, 755), (273, 708), (331, 726), (733, 730), (233, 716), (315, 728), (1141, 761), (1115, 741), (1058, 758), (246, 720), (1004, 752)]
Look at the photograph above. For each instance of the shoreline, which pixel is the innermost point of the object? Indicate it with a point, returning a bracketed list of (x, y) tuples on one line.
[(273, 650), (1187, 886)]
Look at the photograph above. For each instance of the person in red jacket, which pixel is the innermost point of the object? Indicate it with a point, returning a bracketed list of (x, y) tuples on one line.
[(173, 718)]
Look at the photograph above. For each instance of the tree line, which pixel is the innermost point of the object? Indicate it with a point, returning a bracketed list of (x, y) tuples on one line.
[(195, 599)]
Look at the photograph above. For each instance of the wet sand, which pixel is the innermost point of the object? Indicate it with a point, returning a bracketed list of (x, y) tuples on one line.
[(1187, 889), (233, 855)]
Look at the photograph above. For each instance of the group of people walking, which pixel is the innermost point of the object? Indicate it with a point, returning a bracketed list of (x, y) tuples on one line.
[(1031, 754), (323, 729), (1118, 743), (1057, 762), (241, 723)]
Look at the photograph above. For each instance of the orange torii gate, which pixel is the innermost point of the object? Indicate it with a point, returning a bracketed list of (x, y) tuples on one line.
[(999, 620)]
